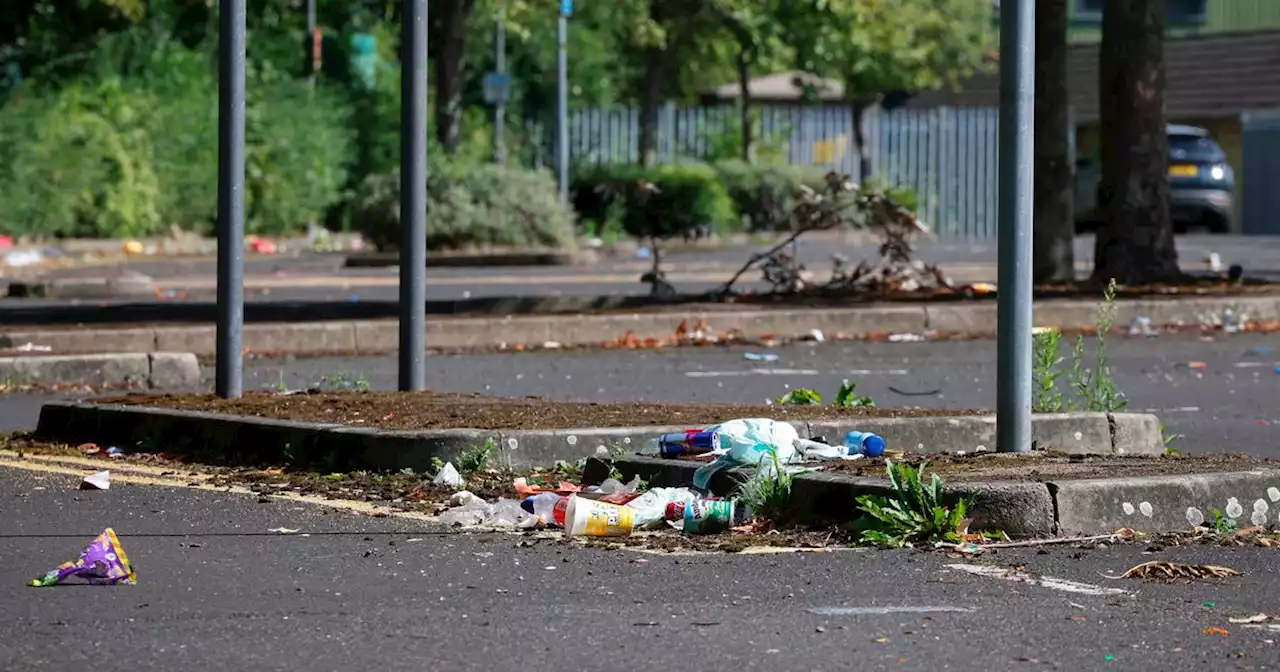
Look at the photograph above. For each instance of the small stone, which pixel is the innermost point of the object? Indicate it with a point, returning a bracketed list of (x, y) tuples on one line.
[(819, 629)]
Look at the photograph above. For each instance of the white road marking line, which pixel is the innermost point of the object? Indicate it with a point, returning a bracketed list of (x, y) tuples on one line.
[(879, 611), (1043, 581), (751, 372), (739, 373)]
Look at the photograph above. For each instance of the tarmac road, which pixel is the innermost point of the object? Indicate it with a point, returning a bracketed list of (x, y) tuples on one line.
[(1228, 405), (319, 277), (217, 591)]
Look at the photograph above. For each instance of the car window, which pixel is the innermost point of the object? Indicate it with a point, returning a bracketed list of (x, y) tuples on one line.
[(1194, 147)]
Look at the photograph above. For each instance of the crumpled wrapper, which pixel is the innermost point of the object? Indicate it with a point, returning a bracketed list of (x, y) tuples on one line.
[(103, 563)]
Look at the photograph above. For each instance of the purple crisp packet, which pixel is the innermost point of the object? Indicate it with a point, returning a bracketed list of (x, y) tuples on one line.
[(102, 563)]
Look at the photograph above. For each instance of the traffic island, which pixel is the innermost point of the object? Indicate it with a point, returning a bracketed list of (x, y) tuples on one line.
[(391, 430), (1040, 494)]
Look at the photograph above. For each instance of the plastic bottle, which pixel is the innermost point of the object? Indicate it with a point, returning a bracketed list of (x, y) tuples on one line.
[(548, 507), (864, 443)]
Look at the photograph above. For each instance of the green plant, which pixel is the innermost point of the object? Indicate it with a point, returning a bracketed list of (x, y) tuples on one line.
[(476, 458), (1046, 363), (1095, 387), (1169, 440), (1223, 524), (800, 397), (471, 206), (765, 195), (654, 203), (914, 513), (340, 382), (847, 397), (767, 492)]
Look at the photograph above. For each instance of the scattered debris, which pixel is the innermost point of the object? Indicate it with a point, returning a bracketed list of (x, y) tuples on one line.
[(448, 476), (907, 338), (103, 563), (1141, 326), (1163, 570), (760, 356), (283, 530), (1216, 631), (1256, 618), (32, 347), (100, 480)]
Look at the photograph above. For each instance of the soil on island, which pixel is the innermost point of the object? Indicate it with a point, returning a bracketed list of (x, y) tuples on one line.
[(436, 410)]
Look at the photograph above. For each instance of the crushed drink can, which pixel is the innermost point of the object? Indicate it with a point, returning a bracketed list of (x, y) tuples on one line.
[(688, 442)]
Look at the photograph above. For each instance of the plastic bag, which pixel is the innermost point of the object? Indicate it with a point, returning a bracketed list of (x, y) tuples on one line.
[(749, 442)]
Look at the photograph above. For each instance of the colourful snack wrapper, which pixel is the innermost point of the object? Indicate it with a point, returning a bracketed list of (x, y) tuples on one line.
[(102, 563)]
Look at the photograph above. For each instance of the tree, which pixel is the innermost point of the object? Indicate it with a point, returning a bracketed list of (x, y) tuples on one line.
[(1135, 244), (1054, 228), (449, 47), (757, 40), (882, 46)]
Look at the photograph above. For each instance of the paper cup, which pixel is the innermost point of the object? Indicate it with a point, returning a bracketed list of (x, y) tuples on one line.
[(591, 518)]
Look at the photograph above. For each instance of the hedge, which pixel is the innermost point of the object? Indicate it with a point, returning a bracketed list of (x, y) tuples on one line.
[(112, 156), (469, 206), (661, 201)]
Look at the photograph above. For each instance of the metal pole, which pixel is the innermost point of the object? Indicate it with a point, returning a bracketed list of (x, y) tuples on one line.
[(311, 36), (500, 109), (1014, 316), (413, 195), (230, 338), (562, 111)]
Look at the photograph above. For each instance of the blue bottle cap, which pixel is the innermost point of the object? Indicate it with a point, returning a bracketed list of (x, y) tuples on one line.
[(873, 446)]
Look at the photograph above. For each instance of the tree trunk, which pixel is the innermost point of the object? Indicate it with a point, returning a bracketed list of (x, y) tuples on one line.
[(858, 108), (745, 109), (650, 103), (449, 71), (1135, 244), (1054, 228)]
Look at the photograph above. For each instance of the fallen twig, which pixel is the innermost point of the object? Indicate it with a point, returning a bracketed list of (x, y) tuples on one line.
[(1158, 569), (1122, 536), (928, 393)]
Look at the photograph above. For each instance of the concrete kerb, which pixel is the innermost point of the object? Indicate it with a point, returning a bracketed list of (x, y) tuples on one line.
[(1022, 509), (381, 336), (1149, 504), (156, 370), (1165, 503)]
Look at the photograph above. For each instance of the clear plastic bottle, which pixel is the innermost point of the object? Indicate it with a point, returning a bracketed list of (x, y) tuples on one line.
[(548, 507)]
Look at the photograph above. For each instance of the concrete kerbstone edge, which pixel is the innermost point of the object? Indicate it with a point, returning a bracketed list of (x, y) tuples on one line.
[(1164, 503)]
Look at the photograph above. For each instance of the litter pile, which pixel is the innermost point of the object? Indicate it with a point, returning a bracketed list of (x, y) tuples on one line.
[(614, 508)]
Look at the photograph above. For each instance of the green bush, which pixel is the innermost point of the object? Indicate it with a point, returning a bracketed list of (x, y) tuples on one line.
[(765, 195), (469, 206), (134, 154), (684, 198), (77, 163)]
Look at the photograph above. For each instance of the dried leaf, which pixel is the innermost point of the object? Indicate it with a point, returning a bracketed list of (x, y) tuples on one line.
[(1166, 571), (1216, 631)]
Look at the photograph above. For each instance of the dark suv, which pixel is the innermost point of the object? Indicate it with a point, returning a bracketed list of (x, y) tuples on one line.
[(1201, 184)]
